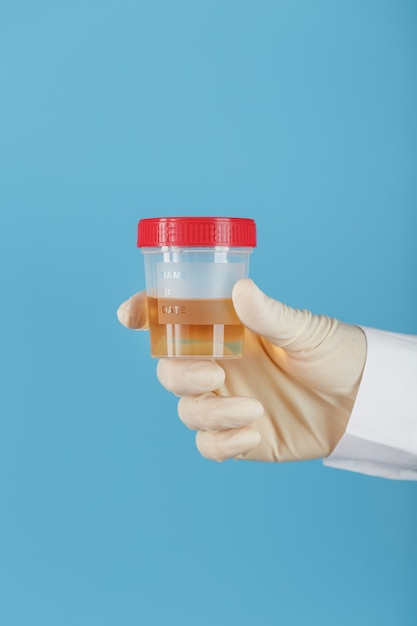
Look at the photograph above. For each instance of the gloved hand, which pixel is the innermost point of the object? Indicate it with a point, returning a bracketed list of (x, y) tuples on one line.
[(289, 397)]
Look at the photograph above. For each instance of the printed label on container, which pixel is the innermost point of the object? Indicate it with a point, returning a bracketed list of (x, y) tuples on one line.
[(197, 280), (197, 312)]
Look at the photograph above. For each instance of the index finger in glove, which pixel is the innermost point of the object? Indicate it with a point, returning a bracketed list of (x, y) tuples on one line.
[(133, 313), (187, 377)]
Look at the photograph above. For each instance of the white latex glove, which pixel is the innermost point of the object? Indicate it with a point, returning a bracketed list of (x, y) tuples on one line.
[(289, 397)]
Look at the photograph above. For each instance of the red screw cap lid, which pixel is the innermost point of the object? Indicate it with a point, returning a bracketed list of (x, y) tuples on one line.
[(196, 231)]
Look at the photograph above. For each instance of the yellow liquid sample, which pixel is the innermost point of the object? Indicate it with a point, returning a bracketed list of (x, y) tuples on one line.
[(194, 328)]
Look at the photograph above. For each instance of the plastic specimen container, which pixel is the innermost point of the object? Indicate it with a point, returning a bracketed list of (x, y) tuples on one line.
[(191, 265)]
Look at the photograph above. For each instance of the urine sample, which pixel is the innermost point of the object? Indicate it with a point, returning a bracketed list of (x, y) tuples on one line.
[(191, 266)]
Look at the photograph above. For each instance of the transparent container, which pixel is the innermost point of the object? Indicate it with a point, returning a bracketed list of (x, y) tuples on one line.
[(191, 266)]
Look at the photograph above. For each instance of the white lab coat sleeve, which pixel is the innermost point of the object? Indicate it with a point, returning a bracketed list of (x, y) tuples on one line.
[(381, 435)]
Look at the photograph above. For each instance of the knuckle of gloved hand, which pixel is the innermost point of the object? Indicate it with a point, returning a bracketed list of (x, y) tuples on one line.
[(189, 377), (211, 412), (163, 373), (209, 444), (198, 412), (170, 375)]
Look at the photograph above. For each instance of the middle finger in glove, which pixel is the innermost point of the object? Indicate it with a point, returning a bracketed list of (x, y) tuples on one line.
[(211, 412)]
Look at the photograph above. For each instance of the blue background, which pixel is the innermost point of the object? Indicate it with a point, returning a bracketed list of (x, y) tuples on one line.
[(299, 114)]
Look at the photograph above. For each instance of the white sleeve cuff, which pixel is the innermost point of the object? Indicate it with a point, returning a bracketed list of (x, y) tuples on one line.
[(381, 436)]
